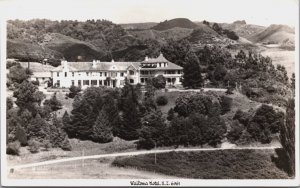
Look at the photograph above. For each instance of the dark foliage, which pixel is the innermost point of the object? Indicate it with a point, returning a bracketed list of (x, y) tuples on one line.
[(74, 91), (53, 103), (161, 100), (225, 103), (13, 148)]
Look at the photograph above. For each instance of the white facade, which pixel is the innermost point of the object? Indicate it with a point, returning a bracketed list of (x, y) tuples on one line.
[(113, 74)]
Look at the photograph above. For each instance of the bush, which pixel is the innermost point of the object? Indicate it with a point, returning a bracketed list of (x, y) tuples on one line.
[(34, 146), (13, 148), (225, 103), (171, 114), (74, 91), (235, 132), (161, 100), (66, 145)]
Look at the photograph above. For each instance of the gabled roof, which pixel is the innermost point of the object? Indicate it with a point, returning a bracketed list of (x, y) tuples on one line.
[(160, 58), (88, 66), (171, 66)]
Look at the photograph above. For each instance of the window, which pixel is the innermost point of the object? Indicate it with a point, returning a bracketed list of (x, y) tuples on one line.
[(43, 78), (86, 82), (87, 73), (131, 72), (178, 72), (100, 82), (72, 82), (142, 80), (146, 80), (105, 82), (93, 82), (79, 82), (57, 74), (73, 74), (122, 74), (100, 74), (131, 81), (66, 74), (169, 80), (105, 74), (58, 83)]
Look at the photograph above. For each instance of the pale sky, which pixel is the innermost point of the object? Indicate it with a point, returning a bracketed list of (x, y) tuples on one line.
[(260, 12)]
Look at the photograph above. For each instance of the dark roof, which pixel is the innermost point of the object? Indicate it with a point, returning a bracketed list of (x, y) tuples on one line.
[(160, 58), (88, 66)]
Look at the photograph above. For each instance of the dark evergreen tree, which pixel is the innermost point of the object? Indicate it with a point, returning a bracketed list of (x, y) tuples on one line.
[(191, 72), (21, 135), (102, 128), (171, 114), (225, 103)]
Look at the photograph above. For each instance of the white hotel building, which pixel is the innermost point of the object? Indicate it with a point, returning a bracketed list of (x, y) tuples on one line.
[(113, 74)]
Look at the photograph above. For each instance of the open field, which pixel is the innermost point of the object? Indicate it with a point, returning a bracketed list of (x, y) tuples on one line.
[(85, 169), (222, 164), (282, 57), (79, 148)]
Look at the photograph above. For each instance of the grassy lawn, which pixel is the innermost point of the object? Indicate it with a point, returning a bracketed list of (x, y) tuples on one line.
[(79, 148), (226, 164)]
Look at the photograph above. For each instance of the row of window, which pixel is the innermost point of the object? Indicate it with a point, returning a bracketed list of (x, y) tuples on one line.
[(113, 74)]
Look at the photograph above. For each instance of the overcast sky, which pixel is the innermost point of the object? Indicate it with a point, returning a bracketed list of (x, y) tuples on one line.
[(260, 12)]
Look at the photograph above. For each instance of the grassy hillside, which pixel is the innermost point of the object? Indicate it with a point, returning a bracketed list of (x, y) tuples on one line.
[(243, 29), (177, 22), (226, 164), (275, 34), (138, 26)]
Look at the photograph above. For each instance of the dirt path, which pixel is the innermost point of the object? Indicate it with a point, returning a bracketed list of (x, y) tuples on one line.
[(143, 152)]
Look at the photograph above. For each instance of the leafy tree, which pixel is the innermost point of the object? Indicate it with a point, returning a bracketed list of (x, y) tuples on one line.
[(53, 103), (28, 96), (236, 131), (102, 129), (159, 82), (18, 74), (149, 101), (220, 72), (65, 145), (74, 91), (152, 131), (191, 72), (34, 146), (242, 117)]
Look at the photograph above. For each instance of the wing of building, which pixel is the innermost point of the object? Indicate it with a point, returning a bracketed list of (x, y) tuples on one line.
[(113, 74)]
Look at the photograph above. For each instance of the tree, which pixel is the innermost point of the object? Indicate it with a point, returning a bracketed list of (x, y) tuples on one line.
[(38, 129), (18, 74), (225, 103), (152, 131), (235, 132), (13, 148), (287, 139), (191, 72), (130, 119), (53, 103), (28, 96), (159, 82), (220, 72), (102, 129), (74, 91)]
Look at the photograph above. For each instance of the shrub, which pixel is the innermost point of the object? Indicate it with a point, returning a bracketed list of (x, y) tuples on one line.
[(13, 148), (161, 100), (225, 103), (235, 132), (159, 82), (47, 145), (34, 146), (242, 117), (171, 114), (66, 145), (9, 103)]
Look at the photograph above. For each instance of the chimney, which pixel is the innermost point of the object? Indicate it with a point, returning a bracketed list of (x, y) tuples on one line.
[(94, 64), (146, 58), (112, 60), (64, 64)]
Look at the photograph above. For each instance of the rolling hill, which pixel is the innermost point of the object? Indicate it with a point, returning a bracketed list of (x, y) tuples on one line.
[(275, 34), (177, 22), (243, 29)]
